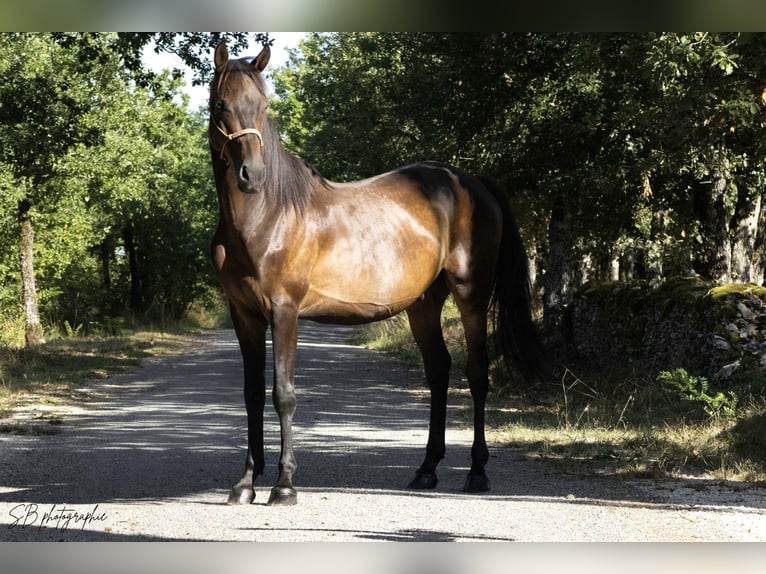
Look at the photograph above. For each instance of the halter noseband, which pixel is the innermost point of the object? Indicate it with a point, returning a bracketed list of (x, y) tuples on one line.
[(238, 134)]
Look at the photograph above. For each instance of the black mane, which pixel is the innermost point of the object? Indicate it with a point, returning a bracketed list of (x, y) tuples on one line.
[(289, 179)]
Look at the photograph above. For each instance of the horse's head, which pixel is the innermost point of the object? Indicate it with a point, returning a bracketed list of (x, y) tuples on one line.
[(238, 103)]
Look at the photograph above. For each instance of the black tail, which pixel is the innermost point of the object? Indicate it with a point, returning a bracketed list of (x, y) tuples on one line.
[(516, 336)]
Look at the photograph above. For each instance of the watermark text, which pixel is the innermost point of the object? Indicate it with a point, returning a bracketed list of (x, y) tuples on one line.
[(58, 516)]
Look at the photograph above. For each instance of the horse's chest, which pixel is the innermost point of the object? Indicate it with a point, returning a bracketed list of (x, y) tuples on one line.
[(238, 277)]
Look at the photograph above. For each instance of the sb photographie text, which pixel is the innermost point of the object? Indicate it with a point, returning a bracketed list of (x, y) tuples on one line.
[(58, 516)]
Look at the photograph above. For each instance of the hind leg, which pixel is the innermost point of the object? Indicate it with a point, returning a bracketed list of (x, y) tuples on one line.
[(477, 371), (425, 322), (472, 299)]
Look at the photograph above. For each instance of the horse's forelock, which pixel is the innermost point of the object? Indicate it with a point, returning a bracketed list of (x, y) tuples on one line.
[(231, 77)]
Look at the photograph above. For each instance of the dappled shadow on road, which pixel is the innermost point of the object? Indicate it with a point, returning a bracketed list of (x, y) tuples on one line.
[(176, 427), (159, 431)]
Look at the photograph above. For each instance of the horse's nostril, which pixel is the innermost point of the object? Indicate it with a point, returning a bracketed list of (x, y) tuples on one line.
[(243, 173)]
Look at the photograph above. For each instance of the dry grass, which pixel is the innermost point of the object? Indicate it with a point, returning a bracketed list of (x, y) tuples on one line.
[(393, 336), (670, 449)]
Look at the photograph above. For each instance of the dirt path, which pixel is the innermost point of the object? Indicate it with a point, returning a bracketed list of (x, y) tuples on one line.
[(151, 454)]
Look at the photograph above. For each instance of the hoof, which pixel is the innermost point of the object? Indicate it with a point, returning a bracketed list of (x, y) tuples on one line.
[(283, 496), (241, 496), (476, 483), (423, 481)]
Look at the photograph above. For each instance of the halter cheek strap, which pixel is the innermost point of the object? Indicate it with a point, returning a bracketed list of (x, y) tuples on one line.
[(238, 134)]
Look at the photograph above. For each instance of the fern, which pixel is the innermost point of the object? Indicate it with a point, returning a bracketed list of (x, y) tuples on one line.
[(70, 331), (694, 389)]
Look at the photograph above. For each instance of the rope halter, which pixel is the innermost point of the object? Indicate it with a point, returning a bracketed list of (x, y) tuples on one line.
[(238, 134)]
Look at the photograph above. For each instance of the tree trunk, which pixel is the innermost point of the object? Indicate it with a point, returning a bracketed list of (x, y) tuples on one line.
[(532, 255), (614, 263), (558, 269), (135, 282), (33, 330), (744, 267), (628, 263), (714, 257), (759, 263), (655, 251), (584, 270), (105, 253)]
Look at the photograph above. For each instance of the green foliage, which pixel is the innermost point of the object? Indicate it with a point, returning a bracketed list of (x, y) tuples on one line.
[(95, 157), (610, 130), (694, 389)]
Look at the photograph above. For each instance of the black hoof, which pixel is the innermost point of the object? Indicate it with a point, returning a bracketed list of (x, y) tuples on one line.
[(283, 496), (241, 496), (476, 483), (423, 481)]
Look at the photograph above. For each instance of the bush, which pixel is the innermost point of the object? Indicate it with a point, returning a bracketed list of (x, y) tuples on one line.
[(747, 437)]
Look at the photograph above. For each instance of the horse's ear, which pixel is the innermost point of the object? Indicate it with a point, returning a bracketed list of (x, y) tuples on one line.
[(262, 59), (221, 55)]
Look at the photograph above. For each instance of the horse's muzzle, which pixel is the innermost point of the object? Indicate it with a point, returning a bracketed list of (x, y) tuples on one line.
[(250, 179)]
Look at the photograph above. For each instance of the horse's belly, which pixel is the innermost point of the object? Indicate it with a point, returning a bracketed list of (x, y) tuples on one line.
[(345, 313), (363, 289)]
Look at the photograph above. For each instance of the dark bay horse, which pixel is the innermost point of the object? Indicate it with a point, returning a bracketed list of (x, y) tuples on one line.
[(291, 244)]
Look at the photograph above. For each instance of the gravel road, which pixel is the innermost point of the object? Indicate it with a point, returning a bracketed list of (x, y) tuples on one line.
[(150, 455)]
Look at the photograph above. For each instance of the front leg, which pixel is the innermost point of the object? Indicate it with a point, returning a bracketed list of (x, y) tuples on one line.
[(284, 330), (251, 332)]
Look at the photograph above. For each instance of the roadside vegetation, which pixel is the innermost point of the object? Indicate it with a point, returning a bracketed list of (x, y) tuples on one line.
[(107, 206), (624, 422)]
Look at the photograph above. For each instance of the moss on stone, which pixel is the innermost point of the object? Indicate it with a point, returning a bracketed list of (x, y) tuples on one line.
[(738, 289)]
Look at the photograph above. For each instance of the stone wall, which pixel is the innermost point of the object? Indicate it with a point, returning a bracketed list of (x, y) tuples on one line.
[(686, 323)]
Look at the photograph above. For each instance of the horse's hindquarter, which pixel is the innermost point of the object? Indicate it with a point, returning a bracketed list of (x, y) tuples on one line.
[(380, 245)]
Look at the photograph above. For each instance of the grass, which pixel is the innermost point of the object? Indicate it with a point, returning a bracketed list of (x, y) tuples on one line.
[(623, 423), (662, 450)]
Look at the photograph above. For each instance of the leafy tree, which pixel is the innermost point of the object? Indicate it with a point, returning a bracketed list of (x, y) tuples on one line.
[(709, 118), (150, 203), (193, 48), (625, 155), (46, 93), (111, 177)]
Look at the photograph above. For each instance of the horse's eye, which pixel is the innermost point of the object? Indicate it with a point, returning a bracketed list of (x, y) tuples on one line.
[(219, 105)]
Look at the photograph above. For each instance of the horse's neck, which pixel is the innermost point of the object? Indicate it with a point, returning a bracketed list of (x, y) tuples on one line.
[(239, 212)]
